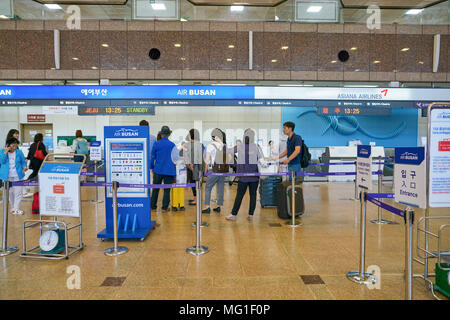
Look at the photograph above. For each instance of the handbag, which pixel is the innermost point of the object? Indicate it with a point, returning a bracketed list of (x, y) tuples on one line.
[(39, 154)]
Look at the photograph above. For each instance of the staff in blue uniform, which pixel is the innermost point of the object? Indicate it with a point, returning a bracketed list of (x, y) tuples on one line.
[(162, 166)]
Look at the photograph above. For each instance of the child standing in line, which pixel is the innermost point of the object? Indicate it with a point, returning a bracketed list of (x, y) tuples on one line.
[(12, 168)]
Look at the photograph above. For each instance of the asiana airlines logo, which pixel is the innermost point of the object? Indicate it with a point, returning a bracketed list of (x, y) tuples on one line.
[(409, 156), (126, 133)]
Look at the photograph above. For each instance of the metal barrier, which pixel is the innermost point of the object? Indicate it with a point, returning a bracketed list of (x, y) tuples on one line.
[(380, 219), (5, 250), (198, 249), (362, 277), (116, 250)]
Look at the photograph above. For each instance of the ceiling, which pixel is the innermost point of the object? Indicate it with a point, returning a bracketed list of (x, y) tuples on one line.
[(406, 4), (97, 2)]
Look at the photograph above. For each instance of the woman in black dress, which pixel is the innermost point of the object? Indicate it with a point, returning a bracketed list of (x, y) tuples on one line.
[(35, 164)]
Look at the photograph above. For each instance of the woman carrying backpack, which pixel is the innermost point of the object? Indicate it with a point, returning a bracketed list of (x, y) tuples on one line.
[(36, 154), (216, 156)]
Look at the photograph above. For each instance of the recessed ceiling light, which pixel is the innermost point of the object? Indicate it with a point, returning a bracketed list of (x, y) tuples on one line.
[(158, 6), (237, 8), (177, 45), (229, 59), (405, 49), (2, 16), (75, 58), (53, 6), (414, 11), (376, 61), (182, 58), (274, 60), (284, 48), (356, 70), (276, 18), (334, 61), (314, 9), (353, 48), (105, 45), (421, 62), (231, 46), (95, 68)]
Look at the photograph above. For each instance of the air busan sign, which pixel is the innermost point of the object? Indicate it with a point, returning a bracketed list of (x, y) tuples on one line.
[(6, 92), (196, 92)]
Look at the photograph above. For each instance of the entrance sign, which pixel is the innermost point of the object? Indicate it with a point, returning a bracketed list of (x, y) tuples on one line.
[(364, 167), (410, 177), (59, 189), (439, 156), (126, 161), (95, 151)]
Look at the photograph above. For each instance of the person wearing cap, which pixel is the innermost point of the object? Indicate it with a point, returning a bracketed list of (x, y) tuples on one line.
[(162, 165)]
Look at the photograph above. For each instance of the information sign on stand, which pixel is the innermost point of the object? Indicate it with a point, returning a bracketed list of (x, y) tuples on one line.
[(439, 156), (126, 161), (95, 151), (59, 189), (364, 167), (410, 177)]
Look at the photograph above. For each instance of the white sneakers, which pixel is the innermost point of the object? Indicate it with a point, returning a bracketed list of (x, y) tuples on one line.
[(16, 212)]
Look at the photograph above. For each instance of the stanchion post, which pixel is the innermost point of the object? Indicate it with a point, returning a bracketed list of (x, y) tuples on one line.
[(356, 183), (293, 223), (199, 196), (198, 249), (380, 219), (362, 277), (5, 250), (409, 220), (116, 250)]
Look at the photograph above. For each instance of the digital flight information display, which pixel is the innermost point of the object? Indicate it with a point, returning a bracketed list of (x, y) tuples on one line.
[(353, 111), (116, 111)]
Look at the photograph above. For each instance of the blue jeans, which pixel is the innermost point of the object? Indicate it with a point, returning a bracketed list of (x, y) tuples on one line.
[(297, 168)]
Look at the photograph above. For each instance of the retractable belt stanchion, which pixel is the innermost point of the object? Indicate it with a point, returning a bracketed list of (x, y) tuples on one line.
[(293, 223), (96, 188), (5, 250), (198, 249), (409, 223), (199, 200), (380, 219), (116, 250), (356, 187), (360, 276)]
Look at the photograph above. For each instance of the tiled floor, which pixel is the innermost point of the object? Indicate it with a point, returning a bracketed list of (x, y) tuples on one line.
[(247, 260)]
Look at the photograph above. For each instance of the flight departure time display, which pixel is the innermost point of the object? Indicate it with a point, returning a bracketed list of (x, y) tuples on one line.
[(353, 111), (111, 111)]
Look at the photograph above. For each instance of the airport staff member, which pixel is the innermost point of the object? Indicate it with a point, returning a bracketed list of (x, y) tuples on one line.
[(293, 150), (162, 166)]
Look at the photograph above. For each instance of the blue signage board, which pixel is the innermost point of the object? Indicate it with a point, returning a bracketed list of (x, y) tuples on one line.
[(364, 167), (410, 176), (126, 161), (61, 168)]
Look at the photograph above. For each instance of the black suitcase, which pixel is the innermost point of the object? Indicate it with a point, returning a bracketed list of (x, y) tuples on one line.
[(284, 195), (268, 192)]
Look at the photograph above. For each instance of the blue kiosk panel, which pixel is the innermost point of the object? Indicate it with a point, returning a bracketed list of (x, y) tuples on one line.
[(126, 161)]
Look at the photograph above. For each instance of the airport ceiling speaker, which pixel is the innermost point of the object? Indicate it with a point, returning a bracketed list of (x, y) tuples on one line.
[(154, 54), (6, 9), (317, 11), (436, 52), (343, 56), (155, 9)]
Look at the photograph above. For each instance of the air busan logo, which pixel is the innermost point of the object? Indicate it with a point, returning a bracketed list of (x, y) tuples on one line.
[(126, 133), (6, 92), (60, 169), (196, 92), (409, 156), (363, 151), (443, 115)]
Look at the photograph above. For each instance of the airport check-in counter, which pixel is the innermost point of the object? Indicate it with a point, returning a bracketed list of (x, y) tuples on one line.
[(347, 154)]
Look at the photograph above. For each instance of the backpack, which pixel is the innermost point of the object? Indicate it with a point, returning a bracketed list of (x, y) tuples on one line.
[(305, 158), (82, 147), (220, 161)]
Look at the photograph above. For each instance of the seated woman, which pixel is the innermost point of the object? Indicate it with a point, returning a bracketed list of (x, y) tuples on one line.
[(249, 154)]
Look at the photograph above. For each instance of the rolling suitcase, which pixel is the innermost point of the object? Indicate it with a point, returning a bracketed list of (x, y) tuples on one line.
[(268, 192), (284, 195)]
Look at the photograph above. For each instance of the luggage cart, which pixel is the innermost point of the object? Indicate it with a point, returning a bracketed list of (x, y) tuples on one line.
[(442, 254), (57, 227)]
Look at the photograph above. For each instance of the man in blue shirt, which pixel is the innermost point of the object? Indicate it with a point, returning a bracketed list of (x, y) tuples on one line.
[(162, 165), (293, 150)]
